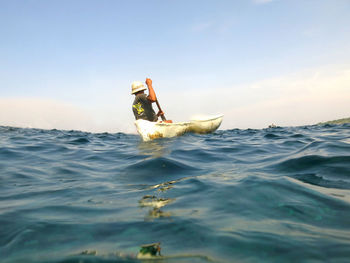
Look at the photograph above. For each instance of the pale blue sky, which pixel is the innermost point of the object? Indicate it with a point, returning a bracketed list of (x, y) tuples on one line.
[(85, 52)]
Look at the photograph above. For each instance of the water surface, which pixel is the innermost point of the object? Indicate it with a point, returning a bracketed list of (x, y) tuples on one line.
[(271, 195)]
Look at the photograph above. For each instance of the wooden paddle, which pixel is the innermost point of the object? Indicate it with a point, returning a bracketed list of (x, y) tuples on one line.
[(160, 109)]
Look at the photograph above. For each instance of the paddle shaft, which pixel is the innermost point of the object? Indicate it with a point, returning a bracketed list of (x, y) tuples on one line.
[(160, 109)]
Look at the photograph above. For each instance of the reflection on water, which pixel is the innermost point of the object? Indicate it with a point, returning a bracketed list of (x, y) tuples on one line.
[(165, 186), (157, 213), (153, 201), (149, 251), (156, 203), (154, 149)]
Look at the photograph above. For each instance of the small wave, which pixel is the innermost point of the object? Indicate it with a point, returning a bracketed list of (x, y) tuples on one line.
[(322, 181), (198, 154), (156, 169), (312, 162), (297, 135), (272, 136), (319, 170), (7, 153), (79, 141)]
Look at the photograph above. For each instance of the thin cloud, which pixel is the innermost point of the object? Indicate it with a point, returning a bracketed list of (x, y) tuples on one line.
[(202, 27), (43, 113), (261, 2), (53, 114), (305, 97), (217, 27)]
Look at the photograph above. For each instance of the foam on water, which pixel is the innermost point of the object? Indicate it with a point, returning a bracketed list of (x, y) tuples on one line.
[(271, 195)]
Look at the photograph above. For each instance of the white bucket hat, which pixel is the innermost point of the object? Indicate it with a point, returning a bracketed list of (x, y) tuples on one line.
[(137, 86)]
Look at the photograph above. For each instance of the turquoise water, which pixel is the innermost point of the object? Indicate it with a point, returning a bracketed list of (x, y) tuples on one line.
[(271, 195)]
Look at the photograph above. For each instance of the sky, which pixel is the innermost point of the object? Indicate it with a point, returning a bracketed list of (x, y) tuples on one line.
[(70, 64)]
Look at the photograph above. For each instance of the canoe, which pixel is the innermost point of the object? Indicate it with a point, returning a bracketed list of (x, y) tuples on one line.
[(152, 130)]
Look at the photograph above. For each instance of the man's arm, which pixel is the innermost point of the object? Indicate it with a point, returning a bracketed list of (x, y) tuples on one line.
[(152, 95)]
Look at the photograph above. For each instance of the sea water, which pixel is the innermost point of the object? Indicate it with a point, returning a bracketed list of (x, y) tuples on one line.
[(269, 195)]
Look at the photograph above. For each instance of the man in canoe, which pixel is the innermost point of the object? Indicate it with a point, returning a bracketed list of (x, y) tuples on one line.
[(142, 106)]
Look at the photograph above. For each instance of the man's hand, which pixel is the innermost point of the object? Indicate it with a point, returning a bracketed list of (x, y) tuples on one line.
[(160, 113), (148, 82)]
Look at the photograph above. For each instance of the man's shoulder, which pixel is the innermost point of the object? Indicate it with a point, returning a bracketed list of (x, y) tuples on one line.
[(141, 97)]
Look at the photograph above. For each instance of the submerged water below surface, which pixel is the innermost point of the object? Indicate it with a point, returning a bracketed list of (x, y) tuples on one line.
[(271, 195)]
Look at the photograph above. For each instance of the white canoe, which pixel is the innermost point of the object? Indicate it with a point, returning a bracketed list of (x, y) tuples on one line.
[(152, 130)]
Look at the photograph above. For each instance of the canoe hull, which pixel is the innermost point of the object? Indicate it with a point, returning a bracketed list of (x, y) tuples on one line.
[(205, 125), (153, 130)]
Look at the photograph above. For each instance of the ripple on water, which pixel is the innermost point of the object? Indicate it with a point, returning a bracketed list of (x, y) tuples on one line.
[(157, 170)]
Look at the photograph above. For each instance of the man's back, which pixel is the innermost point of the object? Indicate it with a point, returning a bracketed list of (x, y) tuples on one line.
[(142, 108)]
